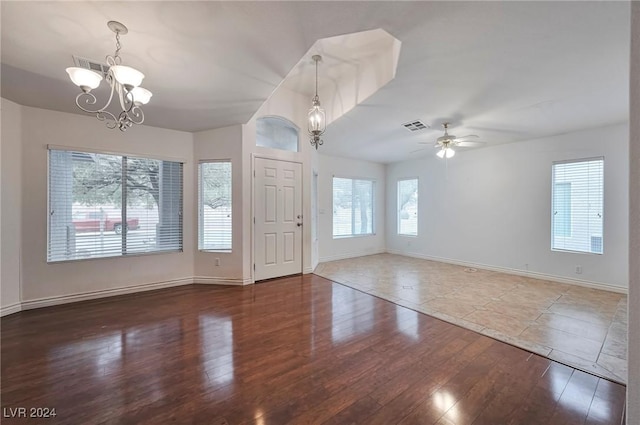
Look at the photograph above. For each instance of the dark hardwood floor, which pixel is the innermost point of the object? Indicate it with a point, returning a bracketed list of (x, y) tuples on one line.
[(296, 350)]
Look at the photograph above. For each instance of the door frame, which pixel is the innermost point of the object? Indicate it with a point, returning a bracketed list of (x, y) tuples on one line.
[(252, 220)]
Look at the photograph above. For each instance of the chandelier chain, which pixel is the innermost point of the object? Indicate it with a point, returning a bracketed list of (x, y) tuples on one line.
[(115, 59), (316, 78), (118, 45)]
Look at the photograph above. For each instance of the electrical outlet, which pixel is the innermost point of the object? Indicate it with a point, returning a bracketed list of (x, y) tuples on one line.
[(217, 261), (578, 269)]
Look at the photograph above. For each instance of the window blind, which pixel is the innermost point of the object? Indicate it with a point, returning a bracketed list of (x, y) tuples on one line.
[(154, 205), (408, 207), (215, 211), (352, 207), (111, 205), (577, 205)]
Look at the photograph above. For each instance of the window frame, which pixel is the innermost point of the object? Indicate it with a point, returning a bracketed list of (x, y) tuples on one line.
[(553, 185), (200, 206), (288, 124), (123, 156), (373, 212), (410, 235)]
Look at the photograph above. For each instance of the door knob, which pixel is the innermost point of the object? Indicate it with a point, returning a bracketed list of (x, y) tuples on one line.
[(299, 224)]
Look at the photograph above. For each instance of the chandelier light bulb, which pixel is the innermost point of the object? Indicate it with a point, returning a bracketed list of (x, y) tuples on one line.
[(316, 118), (441, 153), (450, 152)]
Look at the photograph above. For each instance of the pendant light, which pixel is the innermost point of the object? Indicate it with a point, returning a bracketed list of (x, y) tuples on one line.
[(316, 118)]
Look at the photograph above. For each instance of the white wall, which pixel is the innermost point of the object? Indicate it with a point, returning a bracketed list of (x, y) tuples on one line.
[(10, 208), (41, 281), (491, 207), (633, 386), (222, 143), (334, 249)]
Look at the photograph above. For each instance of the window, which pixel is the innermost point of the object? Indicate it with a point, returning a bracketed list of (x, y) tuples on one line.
[(214, 206), (276, 133), (352, 207), (111, 205), (408, 207), (577, 205)]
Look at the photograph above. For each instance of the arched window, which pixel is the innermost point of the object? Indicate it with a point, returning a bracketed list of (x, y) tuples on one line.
[(277, 133)]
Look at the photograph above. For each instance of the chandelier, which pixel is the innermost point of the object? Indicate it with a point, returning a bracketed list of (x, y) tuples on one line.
[(125, 85), (317, 123)]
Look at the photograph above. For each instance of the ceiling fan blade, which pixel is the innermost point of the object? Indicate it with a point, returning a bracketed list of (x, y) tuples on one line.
[(464, 144), (468, 136)]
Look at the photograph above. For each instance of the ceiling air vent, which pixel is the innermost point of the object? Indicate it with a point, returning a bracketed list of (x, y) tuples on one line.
[(100, 68), (415, 125)]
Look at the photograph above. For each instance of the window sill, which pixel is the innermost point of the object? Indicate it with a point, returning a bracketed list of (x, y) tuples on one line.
[(568, 251), (112, 257), (353, 236), (224, 251)]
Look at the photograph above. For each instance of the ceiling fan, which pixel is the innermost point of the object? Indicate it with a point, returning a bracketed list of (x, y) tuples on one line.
[(448, 141)]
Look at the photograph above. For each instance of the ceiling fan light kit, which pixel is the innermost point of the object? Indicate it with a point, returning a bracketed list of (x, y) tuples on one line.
[(446, 153), (125, 85)]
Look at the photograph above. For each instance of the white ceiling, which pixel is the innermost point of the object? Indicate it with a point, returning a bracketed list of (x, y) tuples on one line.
[(341, 56), (506, 71)]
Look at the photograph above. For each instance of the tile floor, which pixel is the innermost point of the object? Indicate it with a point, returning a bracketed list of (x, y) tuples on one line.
[(584, 328)]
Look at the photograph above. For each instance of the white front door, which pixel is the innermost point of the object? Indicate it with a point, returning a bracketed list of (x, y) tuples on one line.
[(278, 218)]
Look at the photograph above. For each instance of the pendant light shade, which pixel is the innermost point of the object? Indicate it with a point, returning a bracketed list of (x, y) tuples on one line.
[(127, 76), (446, 152), (141, 96), (84, 78), (316, 118)]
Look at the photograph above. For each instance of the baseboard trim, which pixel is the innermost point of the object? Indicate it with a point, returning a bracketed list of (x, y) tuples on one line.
[(348, 255), (10, 309), (517, 272), (307, 270), (65, 299), (212, 280)]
